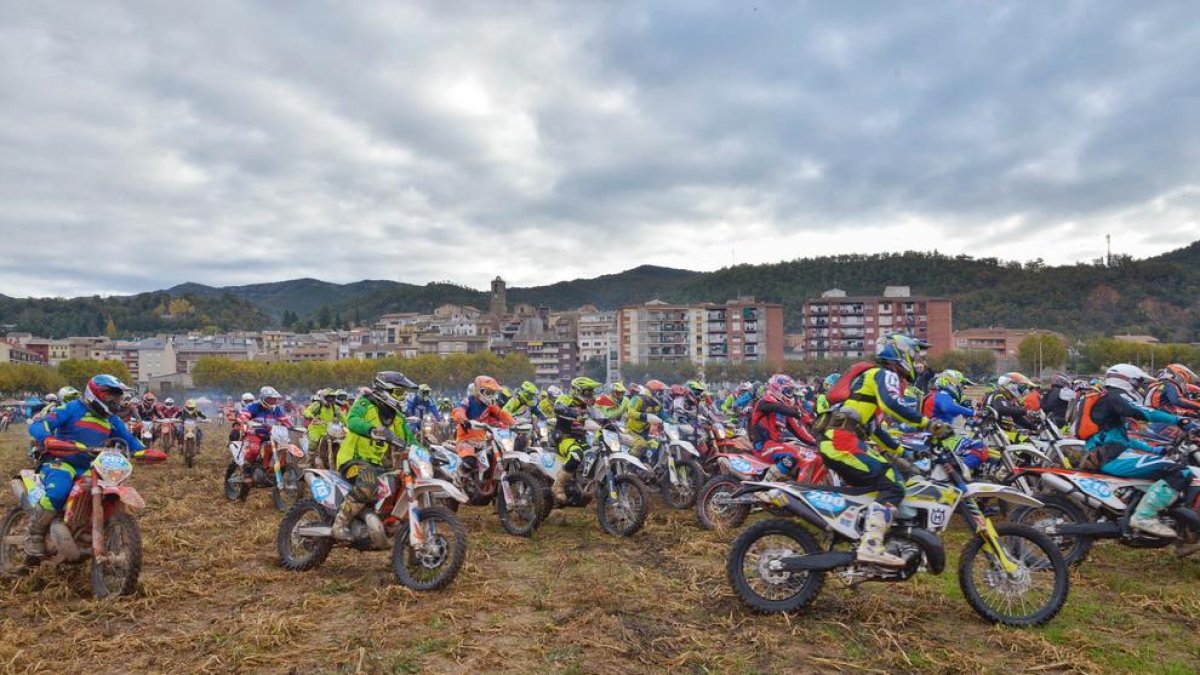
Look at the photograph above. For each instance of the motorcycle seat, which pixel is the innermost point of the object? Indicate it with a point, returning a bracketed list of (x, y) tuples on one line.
[(840, 489)]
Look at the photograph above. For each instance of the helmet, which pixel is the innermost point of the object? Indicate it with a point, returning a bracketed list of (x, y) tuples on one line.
[(1126, 377), (584, 389), (830, 380), (635, 389), (618, 388), (486, 389), (656, 386), (1060, 380), (103, 395), (782, 387), (148, 397), (1181, 374), (678, 390), (899, 352), (1014, 383), (744, 387), (554, 391), (190, 404), (424, 390), (169, 401), (50, 398), (390, 388), (316, 397), (247, 398), (268, 396), (695, 388), (67, 393), (528, 391)]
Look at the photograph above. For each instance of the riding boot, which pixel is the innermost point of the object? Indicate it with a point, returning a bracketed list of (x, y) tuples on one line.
[(870, 547), (39, 524), (345, 515), (559, 488), (774, 475), (1145, 519)]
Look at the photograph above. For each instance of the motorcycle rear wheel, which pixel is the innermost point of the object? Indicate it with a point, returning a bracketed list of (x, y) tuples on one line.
[(298, 553), (712, 510), (764, 590), (13, 534), (1056, 509)]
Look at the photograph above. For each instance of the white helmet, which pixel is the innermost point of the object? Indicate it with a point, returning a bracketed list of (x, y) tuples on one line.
[(50, 398), (269, 396), (169, 401), (1126, 377), (67, 393), (553, 391), (247, 398)]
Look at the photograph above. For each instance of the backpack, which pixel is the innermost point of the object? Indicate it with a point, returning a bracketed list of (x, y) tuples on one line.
[(1154, 395), (928, 404), (1082, 425), (840, 391)]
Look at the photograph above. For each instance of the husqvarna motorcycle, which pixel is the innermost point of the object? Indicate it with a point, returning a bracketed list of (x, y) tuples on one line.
[(1009, 574)]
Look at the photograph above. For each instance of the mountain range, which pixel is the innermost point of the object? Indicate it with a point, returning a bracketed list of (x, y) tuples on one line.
[(1158, 295)]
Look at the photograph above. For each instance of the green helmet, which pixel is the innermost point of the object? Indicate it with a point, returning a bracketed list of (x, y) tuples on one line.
[(618, 388), (528, 391), (697, 388), (584, 389)]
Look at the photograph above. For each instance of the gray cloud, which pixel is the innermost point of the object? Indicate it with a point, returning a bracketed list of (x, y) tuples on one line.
[(143, 144)]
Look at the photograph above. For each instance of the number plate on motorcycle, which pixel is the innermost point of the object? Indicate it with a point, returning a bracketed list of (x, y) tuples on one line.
[(829, 502), (741, 465)]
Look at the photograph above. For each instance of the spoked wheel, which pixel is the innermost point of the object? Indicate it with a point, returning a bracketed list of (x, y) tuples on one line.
[(435, 564), (1056, 510), (234, 482), (1030, 592), (751, 561), (189, 453), (545, 496), (622, 512), (13, 534), (117, 573), (523, 515), (714, 511), (682, 493), (297, 552)]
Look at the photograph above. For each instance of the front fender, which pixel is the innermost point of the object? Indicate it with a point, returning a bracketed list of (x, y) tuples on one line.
[(438, 486), (629, 459), (128, 496), (517, 456), (1029, 450), (1004, 492), (687, 446)]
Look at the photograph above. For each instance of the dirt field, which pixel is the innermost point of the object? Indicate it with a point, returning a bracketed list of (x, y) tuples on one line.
[(570, 599)]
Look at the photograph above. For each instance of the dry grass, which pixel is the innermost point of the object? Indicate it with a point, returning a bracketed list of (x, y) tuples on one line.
[(568, 600)]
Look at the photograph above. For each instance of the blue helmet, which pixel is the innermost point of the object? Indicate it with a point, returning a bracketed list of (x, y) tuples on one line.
[(830, 380), (900, 351), (103, 395)]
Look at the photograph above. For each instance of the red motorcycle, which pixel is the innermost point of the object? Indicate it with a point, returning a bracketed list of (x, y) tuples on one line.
[(718, 509), (97, 523)]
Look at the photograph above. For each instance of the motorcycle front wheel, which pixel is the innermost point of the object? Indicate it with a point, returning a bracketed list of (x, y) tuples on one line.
[(118, 573), (682, 494), (523, 515), (437, 563), (285, 496), (622, 512), (1029, 595)]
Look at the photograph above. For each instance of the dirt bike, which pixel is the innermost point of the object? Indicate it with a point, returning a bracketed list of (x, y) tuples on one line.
[(718, 509), (164, 429), (1009, 574), (1045, 447), (674, 467), (1079, 507), (191, 441), (97, 523), (621, 502), (325, 454), (279, 466), (428, 542), (504, 477)]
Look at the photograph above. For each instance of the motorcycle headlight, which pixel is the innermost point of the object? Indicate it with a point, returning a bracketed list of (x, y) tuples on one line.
[(112, 467), (336, 432)]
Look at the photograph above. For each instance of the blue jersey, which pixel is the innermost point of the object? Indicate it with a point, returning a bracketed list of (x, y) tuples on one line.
[(76, 423)]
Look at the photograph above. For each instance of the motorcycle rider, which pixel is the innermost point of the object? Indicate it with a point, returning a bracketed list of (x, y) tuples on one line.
[(167, 410), (642, 404), (266, 410), (87, 423), (1167, 395), (613, 405), (479, 406), (946, 403), (191, 411), (146, 408), (1057, 399), (1006, 399), (546, 403), (570, 437), (738, 399), (822, 404), (375, 418), (844, 442), (1116, 454), (320, 414), (422, 403), (773, 414)]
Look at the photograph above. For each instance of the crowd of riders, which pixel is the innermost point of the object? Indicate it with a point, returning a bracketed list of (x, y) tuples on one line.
[(848, 418)]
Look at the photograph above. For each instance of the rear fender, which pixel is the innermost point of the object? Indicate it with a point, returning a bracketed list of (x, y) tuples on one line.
[(327, 487), (1185, 516), (295, 451), (438, 488), (1030, 450), (994, 491), (796, 504)]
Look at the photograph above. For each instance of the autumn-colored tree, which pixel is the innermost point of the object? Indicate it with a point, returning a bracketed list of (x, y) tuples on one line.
[(77, 372)]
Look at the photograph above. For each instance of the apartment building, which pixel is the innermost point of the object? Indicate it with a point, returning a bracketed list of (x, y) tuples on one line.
[(837, 325), (744, 331), (1002, 342), (737, 331)]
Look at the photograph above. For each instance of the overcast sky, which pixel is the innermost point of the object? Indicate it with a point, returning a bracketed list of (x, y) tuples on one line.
[(144, 144)]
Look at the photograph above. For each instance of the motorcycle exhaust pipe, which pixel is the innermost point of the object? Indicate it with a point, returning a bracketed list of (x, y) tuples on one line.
[(375, 530), (1073, 493)]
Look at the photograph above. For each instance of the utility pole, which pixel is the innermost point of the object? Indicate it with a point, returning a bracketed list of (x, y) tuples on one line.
[(1108, 244)]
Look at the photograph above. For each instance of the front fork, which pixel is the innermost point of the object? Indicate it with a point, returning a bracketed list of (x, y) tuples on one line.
[(416, 533), (97, 521), (502, 476), (671, 472), (983, 528)]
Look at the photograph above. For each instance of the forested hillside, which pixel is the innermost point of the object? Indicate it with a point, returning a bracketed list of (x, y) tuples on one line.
[(142, 314)]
